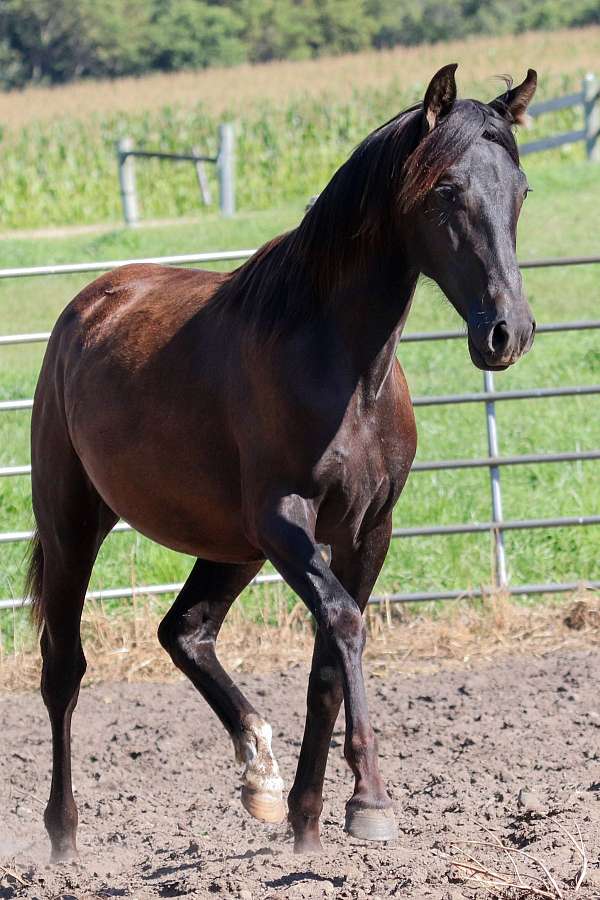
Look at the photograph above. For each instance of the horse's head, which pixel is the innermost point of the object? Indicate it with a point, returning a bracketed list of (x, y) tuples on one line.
[(464, 189)]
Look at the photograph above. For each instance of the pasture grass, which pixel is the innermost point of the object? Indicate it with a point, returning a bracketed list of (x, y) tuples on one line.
[(560, 218)]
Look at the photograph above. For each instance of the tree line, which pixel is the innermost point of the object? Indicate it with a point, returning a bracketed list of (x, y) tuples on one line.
[(56, 41)]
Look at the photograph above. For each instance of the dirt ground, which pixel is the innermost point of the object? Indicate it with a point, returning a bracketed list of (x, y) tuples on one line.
[(509, 750)]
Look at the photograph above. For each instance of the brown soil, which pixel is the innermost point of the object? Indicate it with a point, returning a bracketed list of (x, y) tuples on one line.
[(512, 746)]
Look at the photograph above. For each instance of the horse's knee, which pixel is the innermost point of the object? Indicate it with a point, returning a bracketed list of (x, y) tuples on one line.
[(346, 630), (173, 635), (165, 633)]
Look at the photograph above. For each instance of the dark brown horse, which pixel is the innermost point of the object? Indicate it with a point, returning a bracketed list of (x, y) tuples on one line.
[(254, 415)]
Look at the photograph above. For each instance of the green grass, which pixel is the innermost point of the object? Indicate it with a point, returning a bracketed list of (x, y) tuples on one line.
[(560, 218)]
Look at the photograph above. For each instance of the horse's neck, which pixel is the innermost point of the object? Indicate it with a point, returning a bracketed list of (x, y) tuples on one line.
[(371, 314)]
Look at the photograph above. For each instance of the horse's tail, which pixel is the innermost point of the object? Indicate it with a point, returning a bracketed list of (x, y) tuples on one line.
[(34, 580)]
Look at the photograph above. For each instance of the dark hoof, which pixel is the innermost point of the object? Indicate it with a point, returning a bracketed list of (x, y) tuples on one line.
[(371, 824), (306, 837), (308, 845), (264, 806)]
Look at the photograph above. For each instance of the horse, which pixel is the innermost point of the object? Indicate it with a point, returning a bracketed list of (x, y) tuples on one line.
[(260, 414)]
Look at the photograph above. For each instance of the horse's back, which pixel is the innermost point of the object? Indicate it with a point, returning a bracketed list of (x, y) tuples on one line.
[(141, 303)]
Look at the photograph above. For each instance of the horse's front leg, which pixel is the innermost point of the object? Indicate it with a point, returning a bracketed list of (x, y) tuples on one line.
[(357, 569), (285, 532)]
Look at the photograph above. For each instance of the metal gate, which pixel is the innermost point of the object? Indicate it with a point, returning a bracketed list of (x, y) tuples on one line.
[(496, 526)]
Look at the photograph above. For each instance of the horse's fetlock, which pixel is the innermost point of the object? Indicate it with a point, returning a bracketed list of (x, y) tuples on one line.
[(309, 804), (253, 748), (61, 818)]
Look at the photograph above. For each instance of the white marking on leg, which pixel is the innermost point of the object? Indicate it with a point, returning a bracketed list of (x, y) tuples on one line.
[(253, 748)]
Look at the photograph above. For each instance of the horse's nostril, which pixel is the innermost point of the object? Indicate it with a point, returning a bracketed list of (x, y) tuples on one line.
[(499, 338)]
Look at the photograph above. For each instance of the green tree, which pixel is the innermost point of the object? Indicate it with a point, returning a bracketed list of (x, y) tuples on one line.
[(12, 69), (345, 25), (276, 30), (58, 40), (194, 34)]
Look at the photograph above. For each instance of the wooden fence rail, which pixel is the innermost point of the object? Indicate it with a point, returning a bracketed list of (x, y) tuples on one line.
[(224, 161)]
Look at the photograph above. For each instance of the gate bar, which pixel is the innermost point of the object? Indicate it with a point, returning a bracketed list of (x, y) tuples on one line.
[(217, 255), (436, 465), (13, 537), (480, 527), (429, 399), (551, 587), (414, 336), (500, 575)]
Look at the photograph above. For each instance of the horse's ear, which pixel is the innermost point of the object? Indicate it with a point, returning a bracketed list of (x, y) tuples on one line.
[(440, 95), (513, 103)]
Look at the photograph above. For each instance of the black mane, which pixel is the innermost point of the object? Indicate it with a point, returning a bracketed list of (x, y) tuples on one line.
[(386, 176)]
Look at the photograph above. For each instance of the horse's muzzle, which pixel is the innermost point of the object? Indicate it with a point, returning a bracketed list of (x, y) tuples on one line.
[(498, 345)]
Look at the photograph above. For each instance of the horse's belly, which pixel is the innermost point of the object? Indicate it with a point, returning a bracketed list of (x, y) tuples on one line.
[(207, 528), (175, 496), (228, 546)]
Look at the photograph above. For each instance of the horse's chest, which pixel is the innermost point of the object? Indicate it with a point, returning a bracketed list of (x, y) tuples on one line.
[(366, 469)]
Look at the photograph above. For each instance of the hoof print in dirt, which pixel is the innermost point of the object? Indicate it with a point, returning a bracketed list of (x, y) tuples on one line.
[(529, 804)]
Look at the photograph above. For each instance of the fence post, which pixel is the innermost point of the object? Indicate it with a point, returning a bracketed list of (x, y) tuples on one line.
[(201, 176), (591, 109), (500, 576), (226, 167), (127, 182)]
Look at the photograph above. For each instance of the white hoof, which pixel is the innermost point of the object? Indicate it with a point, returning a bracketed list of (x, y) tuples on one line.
[(262, 785), (266, 807)]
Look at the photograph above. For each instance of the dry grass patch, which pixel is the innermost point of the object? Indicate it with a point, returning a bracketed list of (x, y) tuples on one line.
[(471, 633), (122, 645), (559, 53), (504, 871)]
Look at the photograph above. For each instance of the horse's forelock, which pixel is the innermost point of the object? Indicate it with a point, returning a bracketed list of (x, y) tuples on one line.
[(445, 144), (391, 169)]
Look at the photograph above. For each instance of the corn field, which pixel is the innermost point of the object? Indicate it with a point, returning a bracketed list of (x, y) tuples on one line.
[(63, 171)]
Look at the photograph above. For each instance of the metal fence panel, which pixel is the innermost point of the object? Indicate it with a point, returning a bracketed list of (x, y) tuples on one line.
[(496, 526)]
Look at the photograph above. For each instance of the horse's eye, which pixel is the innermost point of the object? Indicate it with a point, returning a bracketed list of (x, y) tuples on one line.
[(527, 191), (447, 192)]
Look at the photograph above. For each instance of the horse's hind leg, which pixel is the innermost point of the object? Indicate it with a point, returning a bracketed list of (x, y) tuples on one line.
[(188, 633), (72, 523)]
